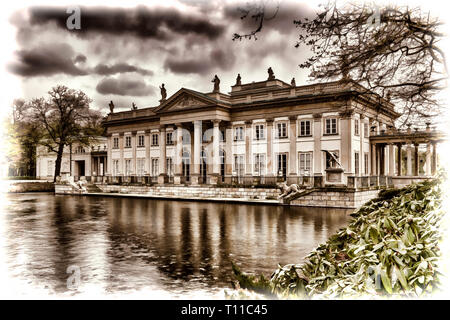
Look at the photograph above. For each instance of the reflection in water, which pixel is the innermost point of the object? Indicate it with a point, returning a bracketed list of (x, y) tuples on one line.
[(124, 244)]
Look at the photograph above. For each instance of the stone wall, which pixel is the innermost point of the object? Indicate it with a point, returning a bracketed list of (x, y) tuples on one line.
[(193, 192), (30, 186), (335, 198)]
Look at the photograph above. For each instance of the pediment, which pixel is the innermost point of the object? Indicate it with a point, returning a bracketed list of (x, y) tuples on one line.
[(185, 101)]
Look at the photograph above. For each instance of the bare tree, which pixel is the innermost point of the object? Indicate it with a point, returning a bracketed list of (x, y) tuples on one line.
[(392, 51), (65, 118)]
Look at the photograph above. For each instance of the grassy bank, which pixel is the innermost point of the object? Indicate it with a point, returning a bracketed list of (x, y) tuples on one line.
[(390, 247)]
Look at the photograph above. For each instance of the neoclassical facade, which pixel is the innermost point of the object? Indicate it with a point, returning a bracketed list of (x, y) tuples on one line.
[(261, 129)]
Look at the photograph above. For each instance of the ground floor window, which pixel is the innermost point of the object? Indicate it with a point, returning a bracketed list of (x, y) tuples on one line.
[(140, 166), (169, 164), (366, 163), (356, 163), (115, 167), (238, 164), (282, 164), (127, 167), (305, 159), (155, 167), (260, 164)]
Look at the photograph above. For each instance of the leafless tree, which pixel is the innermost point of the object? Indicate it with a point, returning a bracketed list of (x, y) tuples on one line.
[(65, 118), (393, 51)]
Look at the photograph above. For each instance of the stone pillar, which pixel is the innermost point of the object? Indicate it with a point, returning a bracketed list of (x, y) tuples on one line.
[(317, 152), (434, 159), (121, 161), (391, 153), (109, 155), (399, 159), (269, 149), (196, 151), (381, 160), (162, 178), (428, 160), (133, 152), (216, 152), (228, 149), (408, 160), (416, 159), (346, 153), (178, 153), (362, 171), (248, 148), (373, 161), (292, 165)]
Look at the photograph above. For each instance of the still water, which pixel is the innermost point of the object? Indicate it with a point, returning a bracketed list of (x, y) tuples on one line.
[(169, 248)]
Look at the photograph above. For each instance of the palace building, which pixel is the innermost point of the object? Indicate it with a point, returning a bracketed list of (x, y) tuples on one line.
[(260, 129)]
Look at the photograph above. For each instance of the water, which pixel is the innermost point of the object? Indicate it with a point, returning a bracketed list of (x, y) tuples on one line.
[(163, 248)]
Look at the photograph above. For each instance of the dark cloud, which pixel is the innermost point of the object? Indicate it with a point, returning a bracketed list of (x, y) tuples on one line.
[(80, 58), (141, 21), (124, 87), (46, 60), (106, 70)]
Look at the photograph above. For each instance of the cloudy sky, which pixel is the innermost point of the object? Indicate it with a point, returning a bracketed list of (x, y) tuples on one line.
[(125, 53)]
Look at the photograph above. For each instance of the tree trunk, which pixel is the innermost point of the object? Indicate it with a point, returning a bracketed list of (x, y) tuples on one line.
[(58, 161)]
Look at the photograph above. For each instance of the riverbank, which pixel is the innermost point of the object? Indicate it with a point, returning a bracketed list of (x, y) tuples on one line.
[(19, 186)]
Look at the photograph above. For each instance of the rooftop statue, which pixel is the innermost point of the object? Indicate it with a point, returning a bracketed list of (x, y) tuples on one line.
[(111, 107), (163, 93), (238, 79), (133, 106), (271, 75), (216, 81), (293, 82)]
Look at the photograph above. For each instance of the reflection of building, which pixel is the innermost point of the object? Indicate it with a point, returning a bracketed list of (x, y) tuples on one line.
[(86, 161), (266, 128)]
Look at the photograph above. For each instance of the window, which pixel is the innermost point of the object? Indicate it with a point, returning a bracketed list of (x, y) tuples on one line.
[(127, 167), (305, 128), (169, 164), (169, 138), (141, 140), (366, 163), (356, 163), (366, 129), (356, 127), (127, 142), (115, 143), (330, 160), (305, 159), (331, 126), (155, 137), (259, 132), (155, 168), (222, 135), (49, 167), (282, 130), (260, 164), (115, 167), (238, 133), (140, 166), (239, 164)]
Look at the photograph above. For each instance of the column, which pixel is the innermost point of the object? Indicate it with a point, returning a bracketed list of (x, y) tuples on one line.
[(361, 146), (399, 159), (428, 160), (382, 160), (216, 152), (196, 151), (109, 155), (292, 146), (122, 161), (162, 178), (434, 158), (178, 153), (133, 148), (317, 152), (373, 161), (148, 138), (408, 160), (269, 155), (248, 148), (391, 159), (346, 141), (416, 159)]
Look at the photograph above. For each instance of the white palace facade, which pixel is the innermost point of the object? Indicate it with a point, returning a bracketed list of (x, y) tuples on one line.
[(267, 129)]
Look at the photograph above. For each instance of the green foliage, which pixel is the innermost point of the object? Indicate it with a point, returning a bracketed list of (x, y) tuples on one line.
[(391, 247)]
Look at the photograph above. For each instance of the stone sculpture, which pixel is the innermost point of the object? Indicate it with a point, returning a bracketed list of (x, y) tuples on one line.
[(163, 93), (271, 75), (287, 190), (238, 79), (216, 81), (111, 107), (293, 82), (133, 106)]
